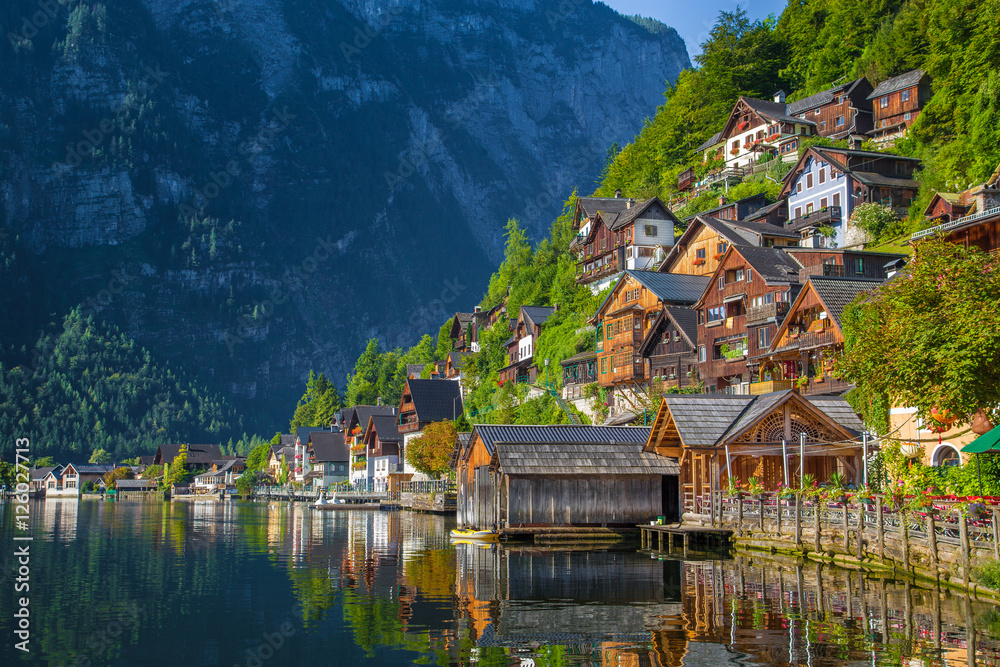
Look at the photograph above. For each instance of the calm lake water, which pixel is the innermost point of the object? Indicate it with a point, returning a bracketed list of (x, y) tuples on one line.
[(136, 583)]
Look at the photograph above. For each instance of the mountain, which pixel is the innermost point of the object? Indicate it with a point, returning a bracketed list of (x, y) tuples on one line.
[(253, 188)]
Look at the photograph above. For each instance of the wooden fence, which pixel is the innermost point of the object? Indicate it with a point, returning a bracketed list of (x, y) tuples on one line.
[(942, 541)]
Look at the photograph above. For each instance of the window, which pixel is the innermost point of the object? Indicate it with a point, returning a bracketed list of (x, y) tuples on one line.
[(701, 316), (836, 199), (822, 202), (722, 282), (739, 275), (701, 353), (907, 115), (822, 126), (677, 336), (840, 121), (736, 147), (721, 248), (749, 275), (809, 208), (604, 366), (798, 209), (763, 338), (716, 314), (700, 253), (798, 186), (650, 230), (822, 175), (884, 102), (861, 266), (809, 180), (816, 113), (905, 96)]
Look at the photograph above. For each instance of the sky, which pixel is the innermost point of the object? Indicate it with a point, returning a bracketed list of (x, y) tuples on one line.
[(694, 18)]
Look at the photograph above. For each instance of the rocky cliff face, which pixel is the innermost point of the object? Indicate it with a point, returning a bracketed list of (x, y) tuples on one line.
[(255, 187)]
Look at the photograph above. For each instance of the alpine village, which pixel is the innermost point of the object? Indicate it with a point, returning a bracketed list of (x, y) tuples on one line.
[(783, 337)]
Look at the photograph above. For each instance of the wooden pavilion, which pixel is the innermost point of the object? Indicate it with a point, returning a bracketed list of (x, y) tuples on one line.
[(717, 436)]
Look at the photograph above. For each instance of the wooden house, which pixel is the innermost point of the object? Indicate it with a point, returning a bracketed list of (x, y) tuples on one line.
[(896, 103), (670, 349), (633, 238), (484, 319), (454, 363), (578, 371), (715, 437), (739, 312), (330, 458), (971, 218), (221, 475), (842, 263), (525, 479), (78, 475), (624, 319), (705, 241), (840, 112), (521, 345), (280, 455), (810, 337), (686, 180), (587, 209), (384, 445), (461, 330), (427, 401), (827, 184), (735, 210), (198, 456), (758, 127)]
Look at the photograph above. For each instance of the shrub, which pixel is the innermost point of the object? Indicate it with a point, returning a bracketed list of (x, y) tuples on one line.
[(988, 574)]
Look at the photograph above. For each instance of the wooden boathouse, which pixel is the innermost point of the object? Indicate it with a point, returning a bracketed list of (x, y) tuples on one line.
[(717, 436), (534, 480)]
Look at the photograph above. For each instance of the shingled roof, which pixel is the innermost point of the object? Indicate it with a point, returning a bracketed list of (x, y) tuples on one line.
[(359, 414), (774, 110), (675, 288), (491, 434), (686, 320), (822, 97), (387, 426), (582, 458), (537, 315), (892, 84), (591, 205), (836, 293), (435, 400), (713, 140), (201, 455), (771, 264), (329, 446)]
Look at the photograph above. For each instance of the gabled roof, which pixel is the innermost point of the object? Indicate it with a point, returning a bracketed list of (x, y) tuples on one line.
[(833, 292), (871, 178), (576, 358), (386, 427), (839, 158), (491, 434), (329, 446), (302, 432), (359, 414), (711, 421), (766, 110), (892, 84), (462, 440), (591, 205), (686, 321), (772, 264), (92, 468), (537, 315), (732, 234), (713, 140), (581, 458), (763, 212), (673, 288), (822, 98), (631, 214), (435, 400), (42, 473), (459, 321), (457, 358), (737, 202), (196, 454)]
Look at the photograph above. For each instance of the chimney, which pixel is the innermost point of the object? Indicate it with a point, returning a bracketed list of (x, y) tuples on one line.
[(722, 200), (618, 193), (779, 97), (477, 309), (629, 203)]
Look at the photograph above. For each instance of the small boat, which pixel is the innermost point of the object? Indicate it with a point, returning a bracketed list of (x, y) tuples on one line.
[(481, 535), (321, 501)]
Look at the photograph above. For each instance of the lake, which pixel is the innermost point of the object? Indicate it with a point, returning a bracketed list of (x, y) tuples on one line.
[(205, 583)]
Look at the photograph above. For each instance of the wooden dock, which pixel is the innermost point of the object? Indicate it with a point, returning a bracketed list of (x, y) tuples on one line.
[(688, 536)]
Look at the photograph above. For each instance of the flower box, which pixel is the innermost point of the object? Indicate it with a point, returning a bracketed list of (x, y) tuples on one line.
[(699, 261)]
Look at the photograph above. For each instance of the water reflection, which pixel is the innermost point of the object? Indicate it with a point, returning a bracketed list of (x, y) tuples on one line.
[(118, 583)]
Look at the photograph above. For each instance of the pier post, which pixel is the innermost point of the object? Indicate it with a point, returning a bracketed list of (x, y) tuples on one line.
[(861, 530), (739, 514), (963, 525), (932, 543), (779, 505), (905, 529), (642, 537), (881, 529), (847, 530), (820, 606), (686, 536), (996, 534), (760, 504), (659, 536), (670, 542), (816, 537), (798, 521)]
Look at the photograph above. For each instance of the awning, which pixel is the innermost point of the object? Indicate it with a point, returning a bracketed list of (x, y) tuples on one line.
[(733, 297), (989, 442)]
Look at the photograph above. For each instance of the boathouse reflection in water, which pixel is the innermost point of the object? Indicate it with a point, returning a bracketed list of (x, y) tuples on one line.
[(618, 608)]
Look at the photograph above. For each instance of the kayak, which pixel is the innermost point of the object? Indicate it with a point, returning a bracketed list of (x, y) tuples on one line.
[(483, 535)]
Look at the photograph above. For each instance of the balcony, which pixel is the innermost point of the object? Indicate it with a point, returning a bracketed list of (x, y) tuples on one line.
[(767, 311), (597, 273), (824, 216), (828, 270), (827, 385), (768, 386)]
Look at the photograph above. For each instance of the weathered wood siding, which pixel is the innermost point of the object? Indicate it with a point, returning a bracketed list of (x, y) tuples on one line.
[(579, 500), (705, 238)]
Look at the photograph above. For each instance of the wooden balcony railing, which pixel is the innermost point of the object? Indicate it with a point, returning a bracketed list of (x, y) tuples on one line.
[(824, 215), (768, 386), (767, 311)]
